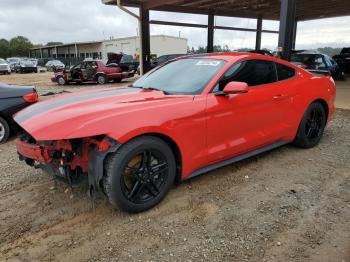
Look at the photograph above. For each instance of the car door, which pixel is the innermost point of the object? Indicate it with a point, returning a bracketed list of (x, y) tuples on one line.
[(76, 71), (237, 124)]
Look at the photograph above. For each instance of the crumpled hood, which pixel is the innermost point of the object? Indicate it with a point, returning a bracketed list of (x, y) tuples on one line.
[(80, 114)]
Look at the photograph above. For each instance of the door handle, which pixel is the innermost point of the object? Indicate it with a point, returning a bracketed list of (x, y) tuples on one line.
[(279, 97)]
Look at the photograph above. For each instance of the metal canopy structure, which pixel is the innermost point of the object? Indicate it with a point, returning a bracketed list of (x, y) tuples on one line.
[(288, 12), (268, 9)]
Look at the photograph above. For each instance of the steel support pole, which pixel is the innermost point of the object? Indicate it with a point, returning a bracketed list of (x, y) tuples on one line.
[(258, 33), (210, 44), (145, 54), (286, 31), (295, 30)]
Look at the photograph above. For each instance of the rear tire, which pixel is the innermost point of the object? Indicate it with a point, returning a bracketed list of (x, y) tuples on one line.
[(140, 174), (311, 127), (4, 131)]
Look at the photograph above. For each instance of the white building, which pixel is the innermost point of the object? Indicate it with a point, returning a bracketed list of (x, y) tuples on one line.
[(160, 45)]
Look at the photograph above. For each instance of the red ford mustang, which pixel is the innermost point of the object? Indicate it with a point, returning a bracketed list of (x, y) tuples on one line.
[(183, 119)]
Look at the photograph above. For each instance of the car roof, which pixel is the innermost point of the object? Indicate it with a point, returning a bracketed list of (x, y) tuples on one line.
[(235, 56)]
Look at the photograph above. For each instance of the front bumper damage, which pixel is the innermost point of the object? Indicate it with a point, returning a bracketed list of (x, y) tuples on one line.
[(69, 160)]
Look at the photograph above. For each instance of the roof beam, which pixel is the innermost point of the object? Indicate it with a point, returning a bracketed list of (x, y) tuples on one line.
[(156, 3), (157, 22)]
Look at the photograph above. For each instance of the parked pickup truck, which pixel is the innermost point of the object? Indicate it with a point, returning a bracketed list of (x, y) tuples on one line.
[(343, 59), (91, 71)]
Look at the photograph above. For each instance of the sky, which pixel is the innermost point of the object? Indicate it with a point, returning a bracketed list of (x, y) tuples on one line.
[(67, 21)]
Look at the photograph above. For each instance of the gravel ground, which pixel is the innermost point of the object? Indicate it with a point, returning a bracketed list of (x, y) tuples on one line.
[(285, 205)]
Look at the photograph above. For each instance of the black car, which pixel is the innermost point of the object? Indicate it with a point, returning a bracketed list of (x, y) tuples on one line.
[(26, 65), (161, 60), (261, 52), (13, 98), (343, 59), (317, 62), (128, 63)]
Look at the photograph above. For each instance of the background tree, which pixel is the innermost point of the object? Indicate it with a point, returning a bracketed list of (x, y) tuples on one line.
[(4, 48), (329, 51), (20, 46)]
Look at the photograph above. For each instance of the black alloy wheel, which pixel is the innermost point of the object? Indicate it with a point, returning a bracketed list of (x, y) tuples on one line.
[(312, 126), (139, 174), (143, 176)]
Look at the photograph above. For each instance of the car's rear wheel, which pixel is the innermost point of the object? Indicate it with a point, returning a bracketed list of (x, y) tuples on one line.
[(4, 130), (101, 79), (139, 174), (61, 81), (311, 127)]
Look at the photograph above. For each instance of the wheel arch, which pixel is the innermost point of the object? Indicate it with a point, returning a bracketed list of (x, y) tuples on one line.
[(100, 73), (324, 105), (173, 146), (9, 121)]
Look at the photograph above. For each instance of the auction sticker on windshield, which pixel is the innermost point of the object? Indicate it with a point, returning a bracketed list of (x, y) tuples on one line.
[(208, 63)]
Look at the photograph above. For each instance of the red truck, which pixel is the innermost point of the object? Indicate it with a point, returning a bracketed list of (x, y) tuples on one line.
[(92, 71)]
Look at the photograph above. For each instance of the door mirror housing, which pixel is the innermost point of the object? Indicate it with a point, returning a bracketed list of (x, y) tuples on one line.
[(234, 88)]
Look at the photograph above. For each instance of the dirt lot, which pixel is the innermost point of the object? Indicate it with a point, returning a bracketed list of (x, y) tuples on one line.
[(285, 205)]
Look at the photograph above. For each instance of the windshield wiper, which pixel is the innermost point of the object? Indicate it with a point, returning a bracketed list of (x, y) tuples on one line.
[(135, 86), (150, 88), (156, 89)]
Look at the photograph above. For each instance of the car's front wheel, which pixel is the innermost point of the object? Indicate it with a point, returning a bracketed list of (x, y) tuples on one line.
[(139, 174), (101, 79), (4, 130), (61, 81), (312, 126)]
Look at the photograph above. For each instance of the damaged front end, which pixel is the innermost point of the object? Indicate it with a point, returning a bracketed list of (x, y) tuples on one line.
[(69, 160)]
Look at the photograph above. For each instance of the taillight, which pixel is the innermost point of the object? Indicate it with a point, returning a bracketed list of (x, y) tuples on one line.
[(31, 98)]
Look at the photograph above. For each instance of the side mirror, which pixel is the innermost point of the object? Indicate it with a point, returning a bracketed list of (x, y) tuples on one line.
[(233, 88)]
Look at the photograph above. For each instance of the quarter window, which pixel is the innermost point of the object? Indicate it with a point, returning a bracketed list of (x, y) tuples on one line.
[(284, 72)]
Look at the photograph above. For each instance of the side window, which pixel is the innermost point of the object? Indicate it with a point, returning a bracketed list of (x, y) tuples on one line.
[(284, 72), (329, 61), (319, 63), (78, 66), (252, 72)]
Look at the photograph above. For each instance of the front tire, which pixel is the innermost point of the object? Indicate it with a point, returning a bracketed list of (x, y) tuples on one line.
[(101, 79), (4, 131), (61, 81), (312, 126), (140, 174)]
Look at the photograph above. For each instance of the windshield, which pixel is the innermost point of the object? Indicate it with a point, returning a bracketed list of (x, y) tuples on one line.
[(56, 62), (184, 76), (13, 60), (2, 61), (127, 59), (26, 62), (307, 59)]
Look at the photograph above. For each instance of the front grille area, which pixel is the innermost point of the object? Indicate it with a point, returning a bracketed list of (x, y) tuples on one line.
[(3, 67)]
